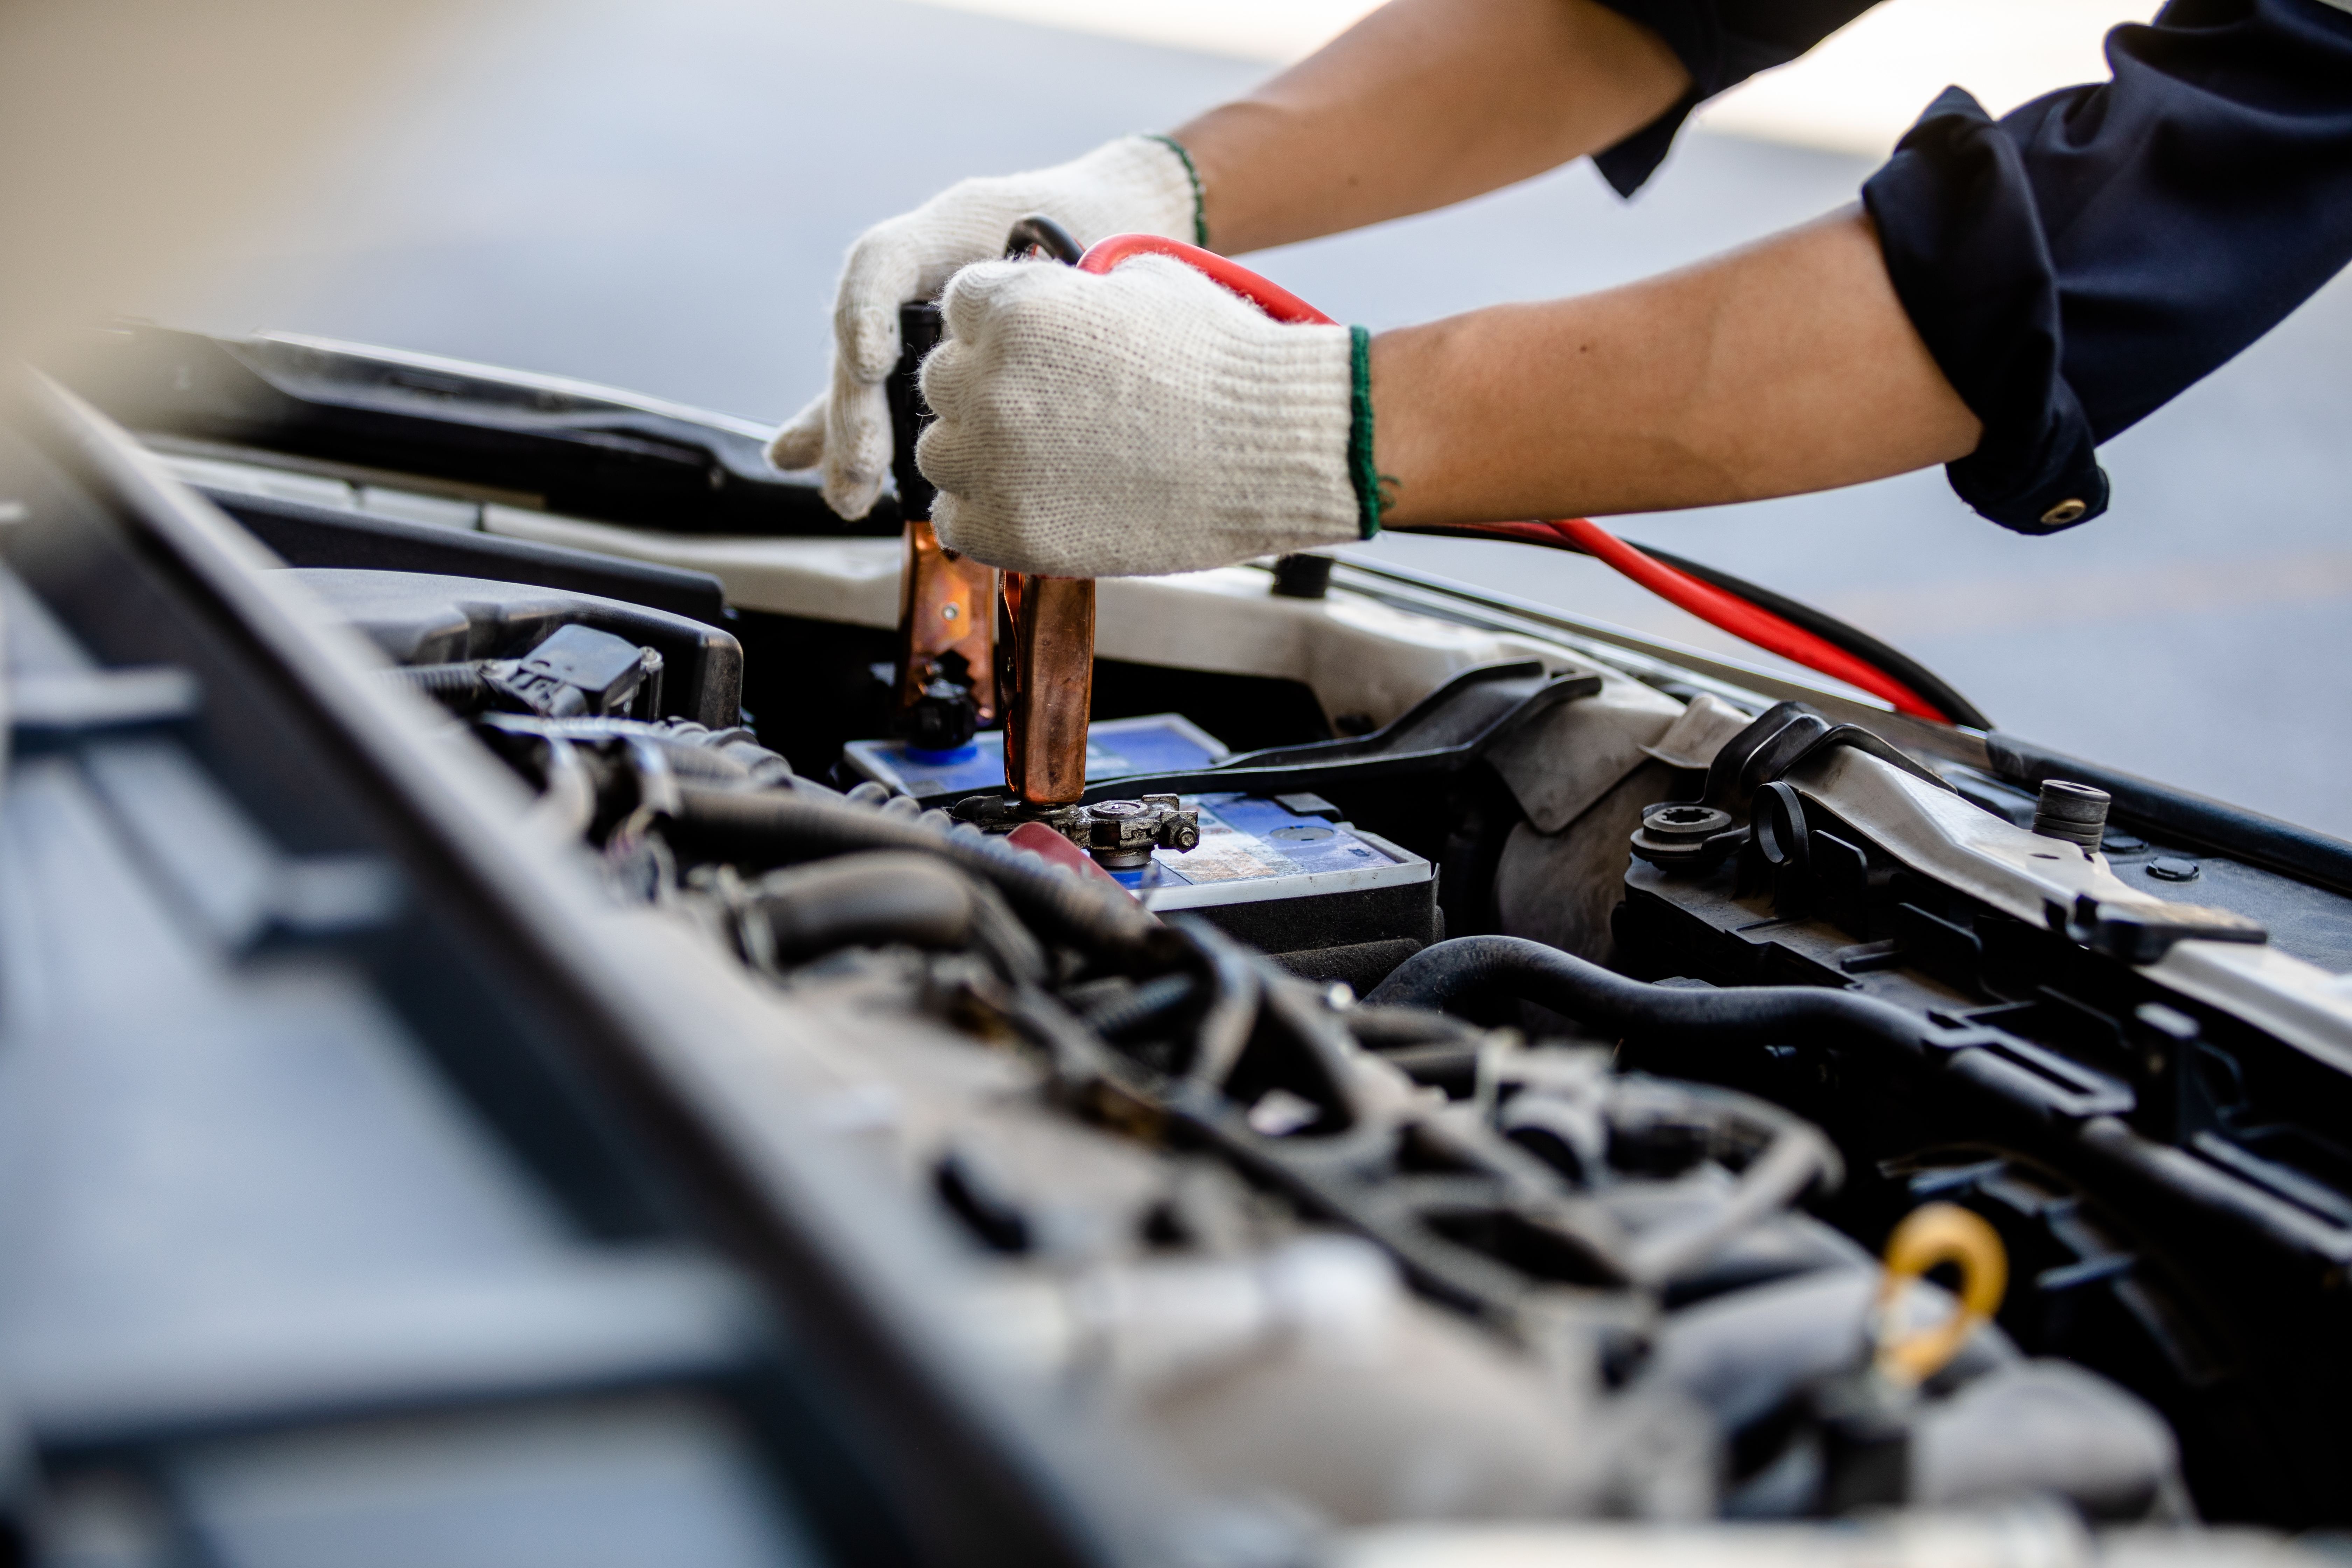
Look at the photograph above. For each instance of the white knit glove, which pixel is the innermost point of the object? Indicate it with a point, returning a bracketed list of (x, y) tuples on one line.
[(1138, 184), (1143, 422)]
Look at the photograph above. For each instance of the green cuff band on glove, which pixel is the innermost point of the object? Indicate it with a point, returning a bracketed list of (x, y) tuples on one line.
[(1200, 201), (1360, 431)]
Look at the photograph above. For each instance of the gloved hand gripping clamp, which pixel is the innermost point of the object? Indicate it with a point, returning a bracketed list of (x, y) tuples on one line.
[(1045, 644), (965, 654)]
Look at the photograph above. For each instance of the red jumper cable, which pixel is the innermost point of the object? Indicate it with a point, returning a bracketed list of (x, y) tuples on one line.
[(1750, 623)]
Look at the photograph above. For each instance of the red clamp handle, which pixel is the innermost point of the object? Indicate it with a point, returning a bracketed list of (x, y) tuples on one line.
[(1271, 298)]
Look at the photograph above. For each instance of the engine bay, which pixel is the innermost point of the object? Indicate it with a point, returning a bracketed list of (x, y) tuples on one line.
[(1535, 1080)]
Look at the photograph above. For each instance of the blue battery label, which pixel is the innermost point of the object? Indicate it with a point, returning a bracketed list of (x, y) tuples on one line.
[(1158, 743)]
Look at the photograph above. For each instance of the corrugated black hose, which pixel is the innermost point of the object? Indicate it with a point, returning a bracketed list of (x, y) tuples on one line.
[(457, 687)]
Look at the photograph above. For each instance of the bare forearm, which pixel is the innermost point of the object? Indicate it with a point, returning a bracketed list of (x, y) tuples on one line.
[(1422, 103), (1783, 369)]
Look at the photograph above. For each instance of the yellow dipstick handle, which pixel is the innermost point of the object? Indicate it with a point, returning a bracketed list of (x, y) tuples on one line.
[(1939, 1233)]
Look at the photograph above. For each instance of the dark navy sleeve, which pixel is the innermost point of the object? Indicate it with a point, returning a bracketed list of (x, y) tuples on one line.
[(2076, 264), (1721, 43)]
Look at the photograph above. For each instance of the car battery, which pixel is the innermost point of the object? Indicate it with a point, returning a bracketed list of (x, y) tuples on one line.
[(1325, 899), (1282, 873), (1116, 748)]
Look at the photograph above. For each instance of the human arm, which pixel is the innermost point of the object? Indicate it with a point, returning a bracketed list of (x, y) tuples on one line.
[(2018, 291), (1785, 367), (1420, 104)]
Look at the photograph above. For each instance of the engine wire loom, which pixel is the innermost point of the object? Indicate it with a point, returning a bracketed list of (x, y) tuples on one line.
[(1203, 1126)]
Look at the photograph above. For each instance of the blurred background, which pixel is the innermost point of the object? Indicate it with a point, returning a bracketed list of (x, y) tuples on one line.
[(657, 197)]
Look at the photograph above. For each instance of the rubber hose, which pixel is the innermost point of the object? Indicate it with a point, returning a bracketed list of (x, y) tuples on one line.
[(864, 899), (787, 827), (1755, 1015)]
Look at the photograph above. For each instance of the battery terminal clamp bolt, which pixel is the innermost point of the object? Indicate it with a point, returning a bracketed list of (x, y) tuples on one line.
[(1121, 834)]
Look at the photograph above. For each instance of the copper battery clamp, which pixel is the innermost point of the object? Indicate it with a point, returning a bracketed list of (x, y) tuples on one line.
[(1048, 637), (1048, 684), (946, 632), (946, 673)]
